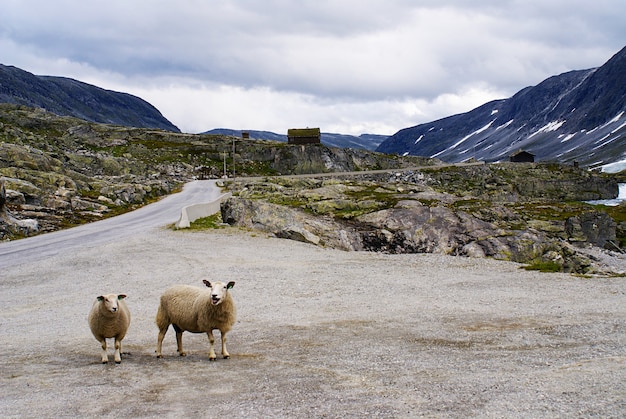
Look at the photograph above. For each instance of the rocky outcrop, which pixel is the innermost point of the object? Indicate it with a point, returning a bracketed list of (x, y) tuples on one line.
[(409, 227), (284, 159), (521, 182), (593, 227), (288, 223), (9, 225), (42, 193), (531, 214)]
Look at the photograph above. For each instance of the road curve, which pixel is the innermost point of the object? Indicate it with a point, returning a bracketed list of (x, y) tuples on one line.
[(163, 212)]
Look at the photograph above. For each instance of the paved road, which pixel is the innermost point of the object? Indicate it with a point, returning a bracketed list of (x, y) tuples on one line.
[(158, 214), (163, 212)]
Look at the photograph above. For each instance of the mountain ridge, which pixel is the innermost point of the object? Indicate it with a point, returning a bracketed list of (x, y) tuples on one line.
[(68, 97), (577, 116), (364, 141)]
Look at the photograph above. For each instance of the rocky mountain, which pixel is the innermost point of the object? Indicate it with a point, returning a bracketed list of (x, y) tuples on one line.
[(68, 97), (363, 141), (576, 116)]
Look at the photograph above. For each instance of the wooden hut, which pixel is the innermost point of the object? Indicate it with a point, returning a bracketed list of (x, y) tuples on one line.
[(304, 136), (521, 156)]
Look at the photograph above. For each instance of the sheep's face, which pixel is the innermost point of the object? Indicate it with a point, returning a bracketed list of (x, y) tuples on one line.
[(219, 290), (110, 301)]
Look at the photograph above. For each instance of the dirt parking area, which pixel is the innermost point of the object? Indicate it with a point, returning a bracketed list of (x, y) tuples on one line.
[(321, 333)]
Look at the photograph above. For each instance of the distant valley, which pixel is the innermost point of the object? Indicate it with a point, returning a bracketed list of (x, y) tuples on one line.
[(578, 116)]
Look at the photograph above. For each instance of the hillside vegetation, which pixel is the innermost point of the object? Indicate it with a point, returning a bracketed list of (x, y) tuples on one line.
[(62, 171)]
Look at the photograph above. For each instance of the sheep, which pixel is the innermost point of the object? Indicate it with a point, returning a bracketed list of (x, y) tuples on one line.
[(109, 318), (196, 310)]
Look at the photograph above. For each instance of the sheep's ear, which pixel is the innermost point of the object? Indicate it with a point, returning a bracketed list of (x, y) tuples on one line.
[(121, 296), (230, 285), (100, 298), (207, 283)]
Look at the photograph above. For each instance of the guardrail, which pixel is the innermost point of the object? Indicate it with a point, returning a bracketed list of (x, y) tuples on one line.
[(191, 213)]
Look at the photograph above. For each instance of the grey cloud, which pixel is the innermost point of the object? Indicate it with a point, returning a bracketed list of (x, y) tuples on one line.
[(347, 51)]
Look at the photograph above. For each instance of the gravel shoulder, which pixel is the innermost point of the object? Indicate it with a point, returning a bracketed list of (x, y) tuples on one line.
[(320, 333)]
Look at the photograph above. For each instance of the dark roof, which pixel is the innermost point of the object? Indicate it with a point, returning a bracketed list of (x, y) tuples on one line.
[(518, 152), (303, 132)]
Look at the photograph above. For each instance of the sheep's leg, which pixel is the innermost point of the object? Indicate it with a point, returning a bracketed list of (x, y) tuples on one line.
[(179, 341), (212, 356), (105, 358), (118, 351), (225, 353), (162, 332)]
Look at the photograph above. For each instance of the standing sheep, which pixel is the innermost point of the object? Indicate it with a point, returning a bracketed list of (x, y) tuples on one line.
[(196, 310), (110, 318)]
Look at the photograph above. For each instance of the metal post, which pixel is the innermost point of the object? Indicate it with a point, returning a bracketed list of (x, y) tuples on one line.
[(224, 153), (234, 158)]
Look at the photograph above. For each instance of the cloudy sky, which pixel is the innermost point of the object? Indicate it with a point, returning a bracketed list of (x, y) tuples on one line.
[(346, 66)]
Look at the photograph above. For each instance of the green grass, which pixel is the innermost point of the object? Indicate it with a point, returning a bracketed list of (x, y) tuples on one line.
[(543, 266), (211, 222)]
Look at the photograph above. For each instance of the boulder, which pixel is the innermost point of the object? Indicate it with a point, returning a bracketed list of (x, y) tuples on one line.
[(290, 223), (9, 225), (595, 227)]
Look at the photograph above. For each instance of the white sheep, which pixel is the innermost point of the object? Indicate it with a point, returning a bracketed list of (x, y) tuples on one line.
[(109, 318), (197, 310)]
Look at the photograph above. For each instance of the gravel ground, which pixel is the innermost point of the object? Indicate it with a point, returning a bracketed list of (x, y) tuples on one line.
[(320, 333)]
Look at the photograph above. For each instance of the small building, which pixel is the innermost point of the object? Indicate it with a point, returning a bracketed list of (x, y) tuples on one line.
[(521, 156), (304, 136)]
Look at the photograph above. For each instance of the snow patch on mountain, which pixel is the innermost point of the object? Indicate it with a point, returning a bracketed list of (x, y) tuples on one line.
[(615, 167), (618, 128), (478, 131), (499, 127), (550, 126), (578, 117)]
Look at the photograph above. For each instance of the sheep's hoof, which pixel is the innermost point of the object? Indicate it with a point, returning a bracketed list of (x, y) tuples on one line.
[(159, 356), (226, 356), (105, 362), (212, 359), (118, 362), (183, 354)]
